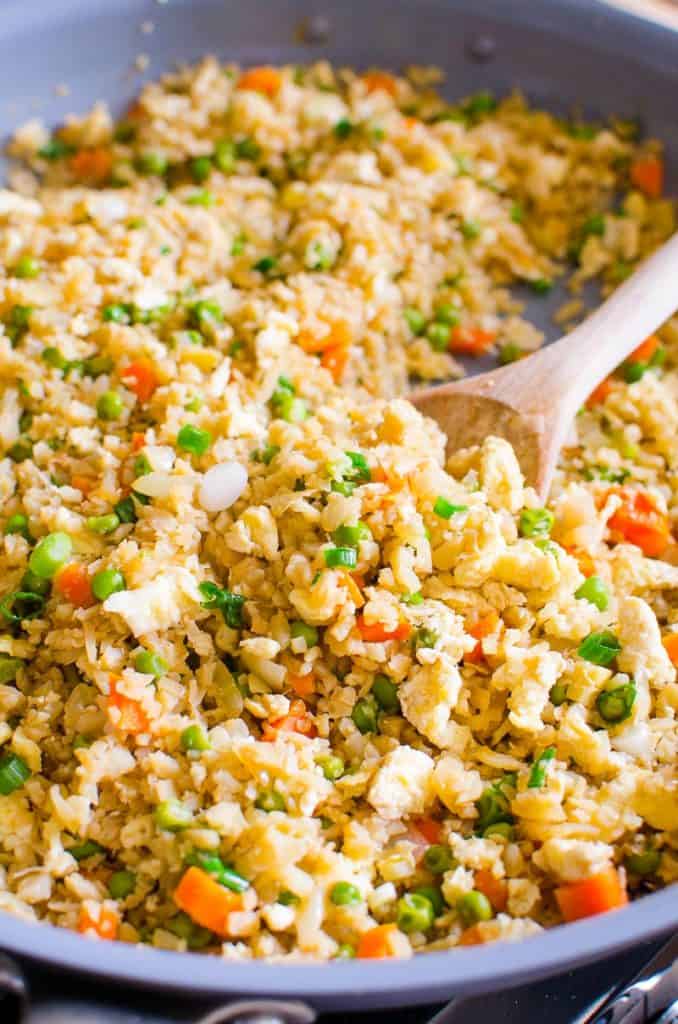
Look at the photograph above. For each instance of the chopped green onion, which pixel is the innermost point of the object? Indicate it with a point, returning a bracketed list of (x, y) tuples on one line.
[(343, 128), (472, 907), (103, 524), (83, 851), (125, 511), (287, 898), (270, 800), (55, 149), (205, 315), (117, 313), (616, 705), (416, 597), (351, 536), (201, 198), (193, 439), (21, 450), (438, 859), (599, 648), (333, 767), (538, 771), (49, 554), (385, 692), (223, 873), (414, 913), (247, 149), (416, 321), (340, 557), (173, 816), (541, 285), (121, 884), (344, 894), (224, 156), (425, 637), (95, 366), (364, 714), (20, 605), (445, 509), (493, 805), (230, 604), (558, 694), (150, 163), (9, 668), (266, 264), (107, 582), (500, 828), (13, 773), (595, 592)]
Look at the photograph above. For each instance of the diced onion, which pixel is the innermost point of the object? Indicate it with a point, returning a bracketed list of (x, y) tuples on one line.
[(157, 484), (222, 485)]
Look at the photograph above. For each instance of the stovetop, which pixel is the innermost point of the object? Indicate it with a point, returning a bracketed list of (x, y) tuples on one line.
[(639, 986)]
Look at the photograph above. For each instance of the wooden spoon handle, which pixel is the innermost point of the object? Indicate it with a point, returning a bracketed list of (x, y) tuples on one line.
[(572, 367)]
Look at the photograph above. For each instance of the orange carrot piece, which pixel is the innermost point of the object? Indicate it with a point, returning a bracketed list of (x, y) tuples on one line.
[(647, 174), (106, 927), (593, 895), (380, 80), (600, 393), (92, 164), (494, 888), (640, 522), (670, 641), (376, 632), (138, 440), (429, 828), (338, 336), (131, 718), (377, 943), (354, 590), (473, 936), (296, 720), (205, 901), (479, 630), (264, 79), (82, 483), (303, 686), (335, 360), (470, 341), (646, 349), (73, 583), (140, 377)]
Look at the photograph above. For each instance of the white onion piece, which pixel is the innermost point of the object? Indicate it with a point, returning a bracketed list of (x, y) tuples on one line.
[(222, 485), (157, 484)]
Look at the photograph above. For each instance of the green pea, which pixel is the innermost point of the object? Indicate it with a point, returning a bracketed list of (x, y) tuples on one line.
[(434, 896), (542, 285), (193, 738), (344, 894), (121, 884), (173, 816), (303, 630), (35, 584), (595, 592), (49, 554), (18, 523), (364, 714), (21, 450), (103, 524), (95, 366), (247, 149), (110, 405), (54, 358), (385, 693), (472, 907), (200, 169), (502, 829), (536, 522), (225, 156), (290, 408), (438, 336), (270, 800), (414, 913), (287, 898), (558, 694), (332, 766), (470, 229), (644, 863), (345, 951), (117, 313), (150, 664), (448, 314), (9, 668), (193, 439), (150, 163), (416, 321), (438, 859), (27, 267), (107, 582), (343, 128)]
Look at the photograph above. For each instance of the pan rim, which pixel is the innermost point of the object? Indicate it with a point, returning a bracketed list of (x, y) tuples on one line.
[(426, 977)]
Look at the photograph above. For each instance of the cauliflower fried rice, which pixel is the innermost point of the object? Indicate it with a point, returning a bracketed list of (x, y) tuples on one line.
[(276, 681)]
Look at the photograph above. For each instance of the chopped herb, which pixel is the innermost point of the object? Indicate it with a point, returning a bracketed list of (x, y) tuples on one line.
[(231, 605)]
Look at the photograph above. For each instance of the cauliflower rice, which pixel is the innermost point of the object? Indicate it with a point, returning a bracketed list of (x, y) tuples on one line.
[(275, 681)]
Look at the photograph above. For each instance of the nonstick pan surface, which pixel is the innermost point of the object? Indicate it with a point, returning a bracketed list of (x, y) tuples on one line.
[(564, 55)]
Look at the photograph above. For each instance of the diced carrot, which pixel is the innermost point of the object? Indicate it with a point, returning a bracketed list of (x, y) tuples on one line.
[(303, 686), (92, 164), (73, 583), (106, 927), (354, 590), (296, 720), (376, 632), (670, 642), (410, 122), (647, 174), (335, 360), (494, 888), (479, 630), (473, 936), (134, 111), (380, 80), (470, 341), (205, 901), (141, 378), (264, 79), (337, 336), (640, 522), (593, 895), (377, 943), (82, 483), (600, 393), (586, 564), (379, 475), (429, 828), (646, 349), (138, 440), (130, 716)]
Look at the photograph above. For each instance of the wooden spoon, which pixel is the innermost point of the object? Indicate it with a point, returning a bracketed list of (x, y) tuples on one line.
[(532, 403)]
